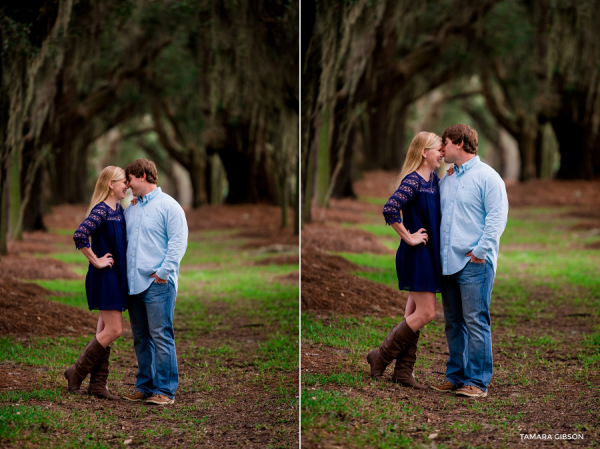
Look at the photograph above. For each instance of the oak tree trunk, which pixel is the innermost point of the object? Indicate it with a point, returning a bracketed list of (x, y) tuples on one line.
[(576, 146)]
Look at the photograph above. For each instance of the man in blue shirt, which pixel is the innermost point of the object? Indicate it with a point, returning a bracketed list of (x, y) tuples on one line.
[(157, 235), (474, 209)]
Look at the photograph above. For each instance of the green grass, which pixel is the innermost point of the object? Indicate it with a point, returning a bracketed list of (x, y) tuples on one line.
[(348, 332), (367, 424), (74, 257), (16, 421), (72, 293), (36, 425), (50, 352), (374, 200), (543, 273), (381, 230), (280, 352), (383, 267), (346, 379), (267, 302), (39, 395), (377, 261), (206, 249), (522, 269), (64, 286), (227, 285), (60, 231), (219, 286), (319, 403)]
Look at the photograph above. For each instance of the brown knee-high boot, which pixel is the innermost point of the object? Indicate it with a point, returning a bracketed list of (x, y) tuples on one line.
[(405, 364), (98, 378), (395, 342), (89, 358)]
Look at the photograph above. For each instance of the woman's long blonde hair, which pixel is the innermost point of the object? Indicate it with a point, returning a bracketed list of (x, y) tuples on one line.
[(422, 141), (102, 190)]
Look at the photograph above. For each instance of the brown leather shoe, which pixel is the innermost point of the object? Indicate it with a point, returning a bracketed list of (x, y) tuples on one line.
[(138, 396), (160, 399), (446, 386), (395, 342), (471, 391), (87, 360), (98, 378), (405, 364)]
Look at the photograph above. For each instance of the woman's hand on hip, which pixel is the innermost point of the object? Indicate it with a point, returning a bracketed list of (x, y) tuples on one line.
[(105, 261), (418, 237)]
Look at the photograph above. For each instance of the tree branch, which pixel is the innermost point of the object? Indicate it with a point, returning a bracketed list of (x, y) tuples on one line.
[(172, 147), (492, 103), (463, 95), (482, 123), (430, 48), (156, 157), (500, 76), (170, 113), (137, 133), (107, 91)]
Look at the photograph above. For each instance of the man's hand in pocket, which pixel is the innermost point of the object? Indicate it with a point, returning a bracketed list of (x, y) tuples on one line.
[(473, 258), (157, 279)]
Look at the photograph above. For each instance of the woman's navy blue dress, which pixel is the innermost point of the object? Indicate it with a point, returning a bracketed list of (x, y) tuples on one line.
[(106, 288), (418, 267)]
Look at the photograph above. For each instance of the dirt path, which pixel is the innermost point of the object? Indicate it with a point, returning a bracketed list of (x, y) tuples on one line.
[(545, 324), (236, 332)]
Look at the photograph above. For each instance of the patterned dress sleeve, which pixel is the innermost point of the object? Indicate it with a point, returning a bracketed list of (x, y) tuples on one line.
[(405, 193), (91, 224)]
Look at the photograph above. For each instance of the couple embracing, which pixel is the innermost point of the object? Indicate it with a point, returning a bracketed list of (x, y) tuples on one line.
[(134, 265), (450, 230)]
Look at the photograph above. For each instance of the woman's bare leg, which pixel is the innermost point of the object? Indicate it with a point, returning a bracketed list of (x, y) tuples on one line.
[(113, 326), (410, 306), (420, 310), (100, 326), (424, 312)]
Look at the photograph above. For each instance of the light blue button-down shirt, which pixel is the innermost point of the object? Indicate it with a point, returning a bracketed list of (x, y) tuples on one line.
[(157, 236), (474, 213)]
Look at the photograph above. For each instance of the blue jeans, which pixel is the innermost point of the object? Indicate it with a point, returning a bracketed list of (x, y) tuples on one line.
[(151, 316), (466, 298)]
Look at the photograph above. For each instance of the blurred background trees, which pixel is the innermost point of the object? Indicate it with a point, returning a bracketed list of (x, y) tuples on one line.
[(525, 74), (207, 89)]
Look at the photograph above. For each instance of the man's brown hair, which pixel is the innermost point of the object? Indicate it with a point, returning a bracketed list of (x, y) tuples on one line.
[(139, 167), (462, 133)]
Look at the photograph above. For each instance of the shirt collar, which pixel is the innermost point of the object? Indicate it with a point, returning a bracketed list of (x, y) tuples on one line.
[(150, 195), (466, 166)]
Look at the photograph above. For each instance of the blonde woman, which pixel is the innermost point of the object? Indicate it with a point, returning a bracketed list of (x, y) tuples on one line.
[(106, 280), (418, 257)]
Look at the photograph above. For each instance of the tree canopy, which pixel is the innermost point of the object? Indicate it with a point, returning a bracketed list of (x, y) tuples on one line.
[(529, 69), (210, 85)]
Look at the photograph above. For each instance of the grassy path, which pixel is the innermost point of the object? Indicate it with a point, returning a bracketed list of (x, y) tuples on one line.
[(546, 335), (236, 326)]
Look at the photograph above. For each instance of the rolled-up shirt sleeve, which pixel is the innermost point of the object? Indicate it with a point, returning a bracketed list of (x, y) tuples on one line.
[(496, 212), (177, 236)]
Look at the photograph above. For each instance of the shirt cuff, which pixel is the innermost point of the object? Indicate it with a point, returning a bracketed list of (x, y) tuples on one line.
[(161, 273), (479, 253)]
